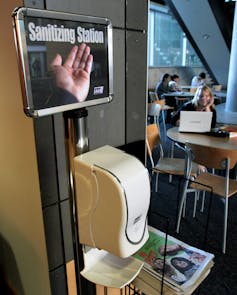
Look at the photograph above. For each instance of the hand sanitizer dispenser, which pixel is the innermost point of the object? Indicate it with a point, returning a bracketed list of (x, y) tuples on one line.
[(113, 196)]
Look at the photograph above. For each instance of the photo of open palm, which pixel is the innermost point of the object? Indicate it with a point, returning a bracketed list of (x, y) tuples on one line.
[(73, 74)]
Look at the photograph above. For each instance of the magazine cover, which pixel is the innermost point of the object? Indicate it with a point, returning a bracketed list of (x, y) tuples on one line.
[(183, 264)]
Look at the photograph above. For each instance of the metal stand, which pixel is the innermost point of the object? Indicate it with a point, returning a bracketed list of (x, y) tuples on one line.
[(77, 143)]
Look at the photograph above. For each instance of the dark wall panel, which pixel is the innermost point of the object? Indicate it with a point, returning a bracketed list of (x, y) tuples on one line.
[(54, 239), (45, 147)]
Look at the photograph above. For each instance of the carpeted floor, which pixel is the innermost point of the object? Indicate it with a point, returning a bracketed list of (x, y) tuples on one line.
[(223, 277)]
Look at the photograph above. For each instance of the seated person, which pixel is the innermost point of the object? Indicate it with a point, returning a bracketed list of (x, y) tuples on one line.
[(162, 86), (173, 83), (199, 80), (203, 101)]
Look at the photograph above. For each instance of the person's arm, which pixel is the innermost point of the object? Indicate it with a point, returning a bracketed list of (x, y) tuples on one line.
[(213, 122), (160, 90), (209, 107), (61, 96)]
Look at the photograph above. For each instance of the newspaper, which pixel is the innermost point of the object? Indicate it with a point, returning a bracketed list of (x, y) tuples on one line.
[(183, 264)]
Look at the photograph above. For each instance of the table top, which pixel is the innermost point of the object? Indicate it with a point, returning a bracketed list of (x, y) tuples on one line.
[(187, 86), (202, 139), (179, 94)]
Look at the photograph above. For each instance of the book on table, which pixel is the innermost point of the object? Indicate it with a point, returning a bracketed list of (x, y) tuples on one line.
[(184, 267)]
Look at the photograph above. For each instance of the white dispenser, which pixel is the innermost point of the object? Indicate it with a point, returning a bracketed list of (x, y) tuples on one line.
[(113, 195)]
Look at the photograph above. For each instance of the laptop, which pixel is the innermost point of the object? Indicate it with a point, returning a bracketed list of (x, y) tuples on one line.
[(194, 121)]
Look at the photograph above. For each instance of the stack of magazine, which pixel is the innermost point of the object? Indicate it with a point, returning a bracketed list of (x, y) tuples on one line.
[(176, 268)]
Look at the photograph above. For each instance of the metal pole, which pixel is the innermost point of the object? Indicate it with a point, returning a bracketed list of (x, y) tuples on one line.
[(77, 143)]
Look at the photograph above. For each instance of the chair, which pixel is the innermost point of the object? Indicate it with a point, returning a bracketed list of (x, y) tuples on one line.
[(164, 165), (153, 96), (164, 107), (220, 186), (154, 110), (217, 87)]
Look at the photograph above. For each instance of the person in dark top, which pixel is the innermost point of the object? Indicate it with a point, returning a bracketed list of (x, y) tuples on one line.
[(163, 85), (203, 101)]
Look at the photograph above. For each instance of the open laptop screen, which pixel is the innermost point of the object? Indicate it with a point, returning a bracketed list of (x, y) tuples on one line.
[(195, 121)]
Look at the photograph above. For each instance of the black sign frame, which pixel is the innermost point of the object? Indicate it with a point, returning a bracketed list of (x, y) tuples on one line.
[(35, 48)]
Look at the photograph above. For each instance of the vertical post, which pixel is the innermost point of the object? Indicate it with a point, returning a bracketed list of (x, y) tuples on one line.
[(151, 37), (77, 143), (184, 51), (231, 99), (78, 128)]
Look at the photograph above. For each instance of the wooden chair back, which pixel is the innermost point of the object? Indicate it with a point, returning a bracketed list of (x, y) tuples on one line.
[(212, 157), (217, 87), (152, 138), (161, 102)]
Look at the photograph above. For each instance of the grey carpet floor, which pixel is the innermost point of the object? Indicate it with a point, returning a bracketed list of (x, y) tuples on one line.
[(223, 277)]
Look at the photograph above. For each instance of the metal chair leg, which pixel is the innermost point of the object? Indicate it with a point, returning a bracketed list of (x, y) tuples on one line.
[(184, 193), (196, 195), (203, 201), (225, 226)]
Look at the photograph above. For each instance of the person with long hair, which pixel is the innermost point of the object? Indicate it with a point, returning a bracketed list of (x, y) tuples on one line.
[(163, 85), (203, 101), (159, 266), (185, 266)]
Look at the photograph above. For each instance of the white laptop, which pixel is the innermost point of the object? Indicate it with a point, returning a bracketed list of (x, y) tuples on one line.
[(194, 121)]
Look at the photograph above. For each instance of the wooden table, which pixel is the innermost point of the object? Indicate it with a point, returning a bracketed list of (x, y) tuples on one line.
[(202, 139), (187, 86)]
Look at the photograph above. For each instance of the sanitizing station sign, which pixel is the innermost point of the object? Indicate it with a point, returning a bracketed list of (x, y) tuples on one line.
[(40, 36)]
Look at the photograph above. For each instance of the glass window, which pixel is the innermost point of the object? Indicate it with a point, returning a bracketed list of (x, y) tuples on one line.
[(168, 45)]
